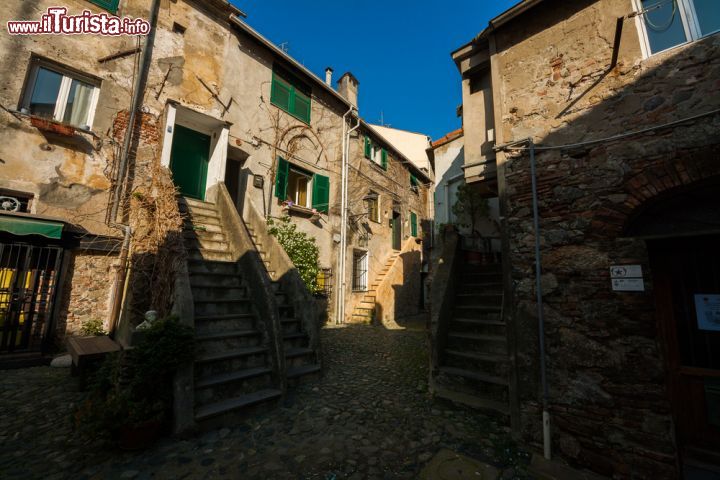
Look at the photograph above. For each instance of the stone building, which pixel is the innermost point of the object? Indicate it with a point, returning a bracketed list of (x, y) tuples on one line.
[(98, 132), (616, 103)]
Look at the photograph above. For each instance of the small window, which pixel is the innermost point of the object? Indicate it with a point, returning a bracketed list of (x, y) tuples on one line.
[(668, 23), (290, 94), (179, 29), (293, 185), (373, 206), (376, 153), (12, 201), (414, 184), (323, 284), (55, 93), (360, 270)]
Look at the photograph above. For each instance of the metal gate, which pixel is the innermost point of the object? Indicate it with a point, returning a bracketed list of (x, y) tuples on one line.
[(28, 278)]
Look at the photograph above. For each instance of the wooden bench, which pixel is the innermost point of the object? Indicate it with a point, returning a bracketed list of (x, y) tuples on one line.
[(87, 350)]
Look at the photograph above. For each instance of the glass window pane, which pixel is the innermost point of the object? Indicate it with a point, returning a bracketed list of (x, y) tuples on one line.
[(45, 93), (78, 103), (708, 14), (663, 24)]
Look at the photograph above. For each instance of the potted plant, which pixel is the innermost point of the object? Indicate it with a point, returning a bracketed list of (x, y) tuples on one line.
[(131, 396), (469, 208)]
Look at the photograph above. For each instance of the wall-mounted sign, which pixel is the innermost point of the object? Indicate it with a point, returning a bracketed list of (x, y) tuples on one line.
[(707, 309), (627, 278)]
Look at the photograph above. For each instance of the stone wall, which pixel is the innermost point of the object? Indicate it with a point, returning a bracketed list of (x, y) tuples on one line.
[(606, 369), (86, 292)]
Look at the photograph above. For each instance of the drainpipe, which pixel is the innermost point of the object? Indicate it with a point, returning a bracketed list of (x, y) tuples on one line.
[(120, 276), (340, 307), (137, 98), (547, 446)]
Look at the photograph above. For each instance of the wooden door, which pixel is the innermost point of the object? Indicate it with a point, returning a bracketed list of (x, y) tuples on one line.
[(686, 274), (396, 231), (189, 160)]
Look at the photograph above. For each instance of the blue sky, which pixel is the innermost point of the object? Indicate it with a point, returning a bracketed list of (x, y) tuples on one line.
[(399, 50)]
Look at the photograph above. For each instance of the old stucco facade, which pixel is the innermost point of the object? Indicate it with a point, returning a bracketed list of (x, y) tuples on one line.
[(552, 81), (209, 74)]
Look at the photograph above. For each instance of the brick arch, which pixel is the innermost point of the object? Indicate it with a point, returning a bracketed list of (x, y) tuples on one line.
[(649, 181)]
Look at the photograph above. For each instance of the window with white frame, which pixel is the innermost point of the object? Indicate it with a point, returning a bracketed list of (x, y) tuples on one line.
[(56, 93), (298, 187), (665, 24)]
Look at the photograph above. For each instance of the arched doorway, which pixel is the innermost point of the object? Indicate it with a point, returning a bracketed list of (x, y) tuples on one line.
[(682, 232)]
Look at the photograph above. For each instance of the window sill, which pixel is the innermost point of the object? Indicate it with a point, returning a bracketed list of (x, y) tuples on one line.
[(57, 128), (301, 211), (377, 165)]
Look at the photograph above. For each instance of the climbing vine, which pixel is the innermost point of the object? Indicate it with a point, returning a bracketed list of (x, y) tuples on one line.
[(300, 247)]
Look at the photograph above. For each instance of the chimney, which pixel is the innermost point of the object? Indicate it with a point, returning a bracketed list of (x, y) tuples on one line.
[(328, 76), (348, 88)]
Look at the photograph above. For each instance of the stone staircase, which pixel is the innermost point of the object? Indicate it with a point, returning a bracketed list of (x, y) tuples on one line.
[(364, 312), (474, 365), (301, 361), (233, 368)]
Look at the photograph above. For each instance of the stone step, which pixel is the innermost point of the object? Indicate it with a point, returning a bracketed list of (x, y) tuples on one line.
[(293, 340), (190, 211), (223, 307), (290, 325), (194, 202), (216, 324), (471, 400), (204, 243), (477, 356), (474, 375), (298, 352), (302, 370), (216, 280), (208, 293), (466, 310), (227, 340), (201, 267), (199, 227), (477, 337), (204, 235), (468, 322), (203, 218), (228, 377), (236, 403), (221, 356), (211, 255)]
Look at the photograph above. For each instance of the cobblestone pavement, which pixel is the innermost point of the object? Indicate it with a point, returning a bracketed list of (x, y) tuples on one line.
[(368, 417)]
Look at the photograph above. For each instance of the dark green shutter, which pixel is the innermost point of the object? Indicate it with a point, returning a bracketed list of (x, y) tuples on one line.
[(413, 181), (321, 193), (413, 224), (280, 93), (301, 106), (281, 178), (383, 159), (109, 5), (368, 148)]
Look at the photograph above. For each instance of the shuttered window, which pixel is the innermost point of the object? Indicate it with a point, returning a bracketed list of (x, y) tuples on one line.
[(281, 178), (291, 95), (413, 183), (383, 159), (413, 224), (321, 193), (368, 148), (109, 5)]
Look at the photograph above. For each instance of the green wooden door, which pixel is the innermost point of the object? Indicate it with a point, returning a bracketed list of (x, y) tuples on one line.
[(189, 160)]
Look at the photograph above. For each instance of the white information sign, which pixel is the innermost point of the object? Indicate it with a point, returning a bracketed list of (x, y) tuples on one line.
[(628, 285), (627, 278), (626, 271), (707, 308)]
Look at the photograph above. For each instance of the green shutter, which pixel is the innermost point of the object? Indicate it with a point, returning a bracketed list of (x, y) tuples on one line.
[(321, 193), (383, 159), (109, 5), (413, 181), (413, 224), (300, 106), (281, 178), (368, 148), (280, 93)]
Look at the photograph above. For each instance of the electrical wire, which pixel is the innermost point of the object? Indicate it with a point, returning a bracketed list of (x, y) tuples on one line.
[(663, 28), (569, 146)]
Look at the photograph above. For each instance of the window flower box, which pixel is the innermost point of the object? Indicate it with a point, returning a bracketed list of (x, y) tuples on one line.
[(52, 126)]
